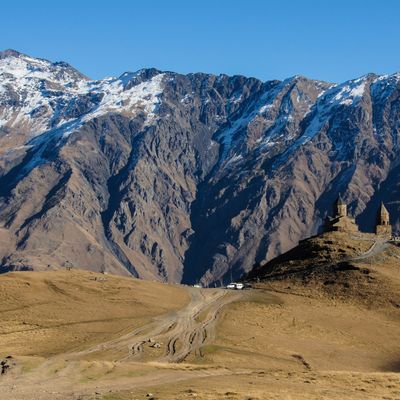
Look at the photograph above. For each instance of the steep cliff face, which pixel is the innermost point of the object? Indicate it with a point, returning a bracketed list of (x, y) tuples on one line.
[(183, 177), (271, 195)]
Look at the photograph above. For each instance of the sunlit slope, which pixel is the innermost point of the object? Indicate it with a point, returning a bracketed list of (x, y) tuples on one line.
[(45, 313)]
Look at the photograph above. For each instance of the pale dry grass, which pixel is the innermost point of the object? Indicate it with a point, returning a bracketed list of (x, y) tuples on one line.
[(46, 313), (283, 341), (274, 385)]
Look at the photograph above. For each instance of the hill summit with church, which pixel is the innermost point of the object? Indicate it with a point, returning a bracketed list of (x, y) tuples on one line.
[(341, 260), (342, 222)]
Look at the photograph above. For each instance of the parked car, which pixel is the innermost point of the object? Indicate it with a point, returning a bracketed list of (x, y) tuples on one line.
[(239, 286), (235, 286)]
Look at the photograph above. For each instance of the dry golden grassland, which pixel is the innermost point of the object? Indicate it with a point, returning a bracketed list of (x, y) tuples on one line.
[(330, 334), (46, 313)]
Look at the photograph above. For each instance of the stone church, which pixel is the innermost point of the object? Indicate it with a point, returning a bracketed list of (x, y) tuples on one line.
[(341, 222)]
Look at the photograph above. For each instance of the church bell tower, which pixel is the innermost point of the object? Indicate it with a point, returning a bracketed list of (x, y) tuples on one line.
[(383, 227), (340, 207)]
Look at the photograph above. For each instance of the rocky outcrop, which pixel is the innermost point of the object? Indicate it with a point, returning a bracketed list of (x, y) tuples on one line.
[(183, 177)]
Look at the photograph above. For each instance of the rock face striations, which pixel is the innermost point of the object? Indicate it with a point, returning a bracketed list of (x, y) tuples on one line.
[(184, 177)]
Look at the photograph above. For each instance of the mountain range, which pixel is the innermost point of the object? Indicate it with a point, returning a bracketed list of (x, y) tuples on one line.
[(184, 178)]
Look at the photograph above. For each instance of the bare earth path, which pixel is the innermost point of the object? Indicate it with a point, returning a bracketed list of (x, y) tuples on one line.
[(377, 247), (179, 334), (184, 331)]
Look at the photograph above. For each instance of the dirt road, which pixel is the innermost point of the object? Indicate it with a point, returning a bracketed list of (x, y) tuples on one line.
[(176, 334), (167, 340), (194, 326)]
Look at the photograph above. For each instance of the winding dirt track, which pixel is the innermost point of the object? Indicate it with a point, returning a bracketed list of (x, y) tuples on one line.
[(185, 331), (377, 247), (194, 327), (180, 333)]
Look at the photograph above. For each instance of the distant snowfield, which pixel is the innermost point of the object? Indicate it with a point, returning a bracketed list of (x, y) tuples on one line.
[(40, 97), (144, 95), (41, 90)]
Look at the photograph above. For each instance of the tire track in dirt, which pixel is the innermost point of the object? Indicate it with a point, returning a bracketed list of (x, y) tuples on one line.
[(193, 334), (181, 332)]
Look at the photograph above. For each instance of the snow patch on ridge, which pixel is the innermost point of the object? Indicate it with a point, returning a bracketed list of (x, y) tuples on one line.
[(350, 91), (39, 90), (275, 109), (142, 97), (383, 86), (346, 94)]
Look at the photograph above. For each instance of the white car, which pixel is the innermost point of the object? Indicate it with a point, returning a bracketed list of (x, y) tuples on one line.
[(239, 286), (235, 286)]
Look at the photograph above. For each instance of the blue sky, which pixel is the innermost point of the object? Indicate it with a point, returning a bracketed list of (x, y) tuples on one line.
[(330, 40)]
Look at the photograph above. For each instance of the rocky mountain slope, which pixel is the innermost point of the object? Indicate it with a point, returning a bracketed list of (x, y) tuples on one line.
[(183, 177)]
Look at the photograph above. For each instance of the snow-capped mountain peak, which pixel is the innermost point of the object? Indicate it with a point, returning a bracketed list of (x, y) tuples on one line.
[(183, 177), (37, 95)]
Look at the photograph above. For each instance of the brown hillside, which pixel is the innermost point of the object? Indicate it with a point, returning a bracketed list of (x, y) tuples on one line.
[(46, 313), (77, 335), (355, 267)]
